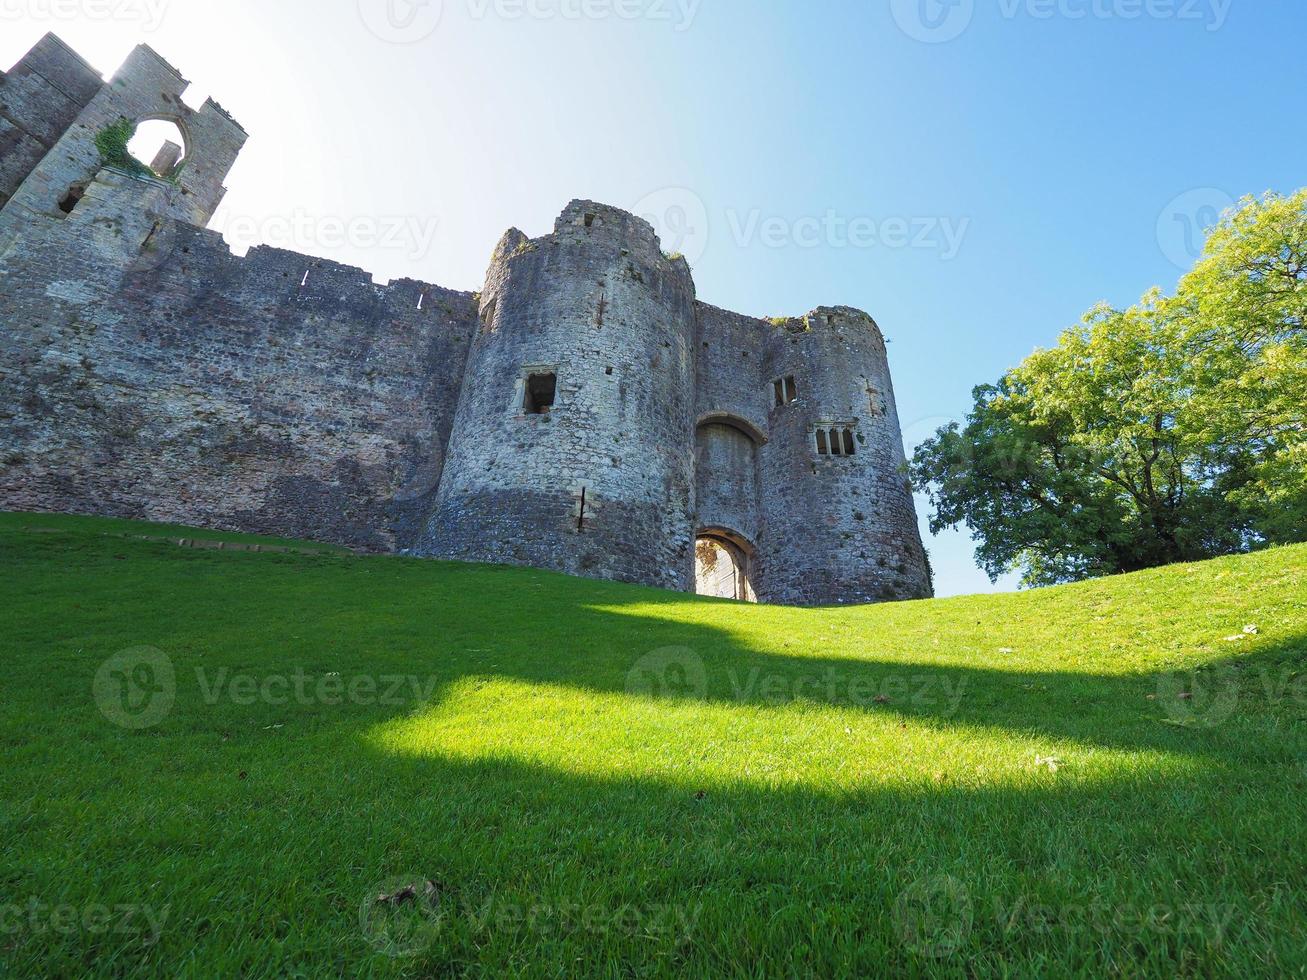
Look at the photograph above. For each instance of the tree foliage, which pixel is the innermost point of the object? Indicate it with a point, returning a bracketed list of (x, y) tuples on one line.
[(1170, 431)]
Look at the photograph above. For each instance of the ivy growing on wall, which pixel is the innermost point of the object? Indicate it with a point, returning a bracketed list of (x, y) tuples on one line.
[(112, 143)]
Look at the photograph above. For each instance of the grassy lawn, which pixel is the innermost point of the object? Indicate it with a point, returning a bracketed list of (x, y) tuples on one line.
[(222, 763)]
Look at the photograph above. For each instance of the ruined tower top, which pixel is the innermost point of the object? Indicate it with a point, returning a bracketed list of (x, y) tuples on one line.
[(583, 412)]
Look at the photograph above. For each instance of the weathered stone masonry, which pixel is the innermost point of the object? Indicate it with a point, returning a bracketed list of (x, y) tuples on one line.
[(584, 412)]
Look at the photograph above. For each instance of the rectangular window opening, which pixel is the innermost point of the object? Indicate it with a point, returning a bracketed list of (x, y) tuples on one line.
[(849, 448), (786, 391), (822, 448), (70, 200), (541, 391)]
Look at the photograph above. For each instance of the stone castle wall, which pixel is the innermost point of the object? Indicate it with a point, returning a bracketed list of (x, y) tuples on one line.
[(597, 306), (149, 373)]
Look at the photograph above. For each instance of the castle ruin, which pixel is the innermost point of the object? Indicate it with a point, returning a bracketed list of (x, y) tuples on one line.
[(584, 412)]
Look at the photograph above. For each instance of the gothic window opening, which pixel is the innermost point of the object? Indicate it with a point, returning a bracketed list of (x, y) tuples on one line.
[(836, 440), (541, 392)]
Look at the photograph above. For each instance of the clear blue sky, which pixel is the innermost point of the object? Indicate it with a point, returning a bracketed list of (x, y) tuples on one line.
[(974, 173)]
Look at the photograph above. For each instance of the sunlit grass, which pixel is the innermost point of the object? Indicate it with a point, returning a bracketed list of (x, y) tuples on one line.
[(792, 796), (722, 746)]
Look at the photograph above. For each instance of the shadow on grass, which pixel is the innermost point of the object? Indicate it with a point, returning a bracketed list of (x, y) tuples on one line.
[(266, 824)]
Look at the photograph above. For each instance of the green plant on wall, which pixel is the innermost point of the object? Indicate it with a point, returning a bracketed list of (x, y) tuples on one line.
[(112, 143)]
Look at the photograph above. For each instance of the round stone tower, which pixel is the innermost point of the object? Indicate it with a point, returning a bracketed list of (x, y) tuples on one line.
[(573, 447), (839, 522)]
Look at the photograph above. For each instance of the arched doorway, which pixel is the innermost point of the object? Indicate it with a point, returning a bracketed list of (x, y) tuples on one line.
[(723, 566)]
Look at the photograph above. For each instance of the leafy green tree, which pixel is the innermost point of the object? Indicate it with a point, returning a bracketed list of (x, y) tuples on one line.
[(1245, 305), (1171, 431)]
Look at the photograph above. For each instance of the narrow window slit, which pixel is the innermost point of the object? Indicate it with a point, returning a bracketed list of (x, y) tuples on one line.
[(787, 391)]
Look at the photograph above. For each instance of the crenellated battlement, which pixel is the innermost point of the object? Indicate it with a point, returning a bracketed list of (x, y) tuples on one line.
[(583, 412)]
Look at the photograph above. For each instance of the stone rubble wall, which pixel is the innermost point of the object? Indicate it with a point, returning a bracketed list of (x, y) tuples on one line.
[(146, 372)]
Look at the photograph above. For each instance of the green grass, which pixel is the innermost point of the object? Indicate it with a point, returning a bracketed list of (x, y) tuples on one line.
[(586, 808)]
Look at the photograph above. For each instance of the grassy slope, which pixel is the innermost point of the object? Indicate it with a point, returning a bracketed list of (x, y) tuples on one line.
[(576, 824)]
